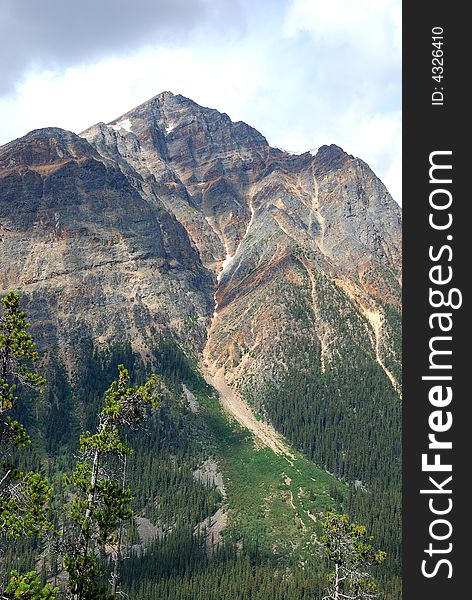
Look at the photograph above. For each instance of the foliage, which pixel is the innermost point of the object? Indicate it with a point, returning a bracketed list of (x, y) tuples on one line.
[(347, 417), (258, 559), (350, 549), (178, 569), (23, 508), (28, 587), (24, 495), (101, 504)]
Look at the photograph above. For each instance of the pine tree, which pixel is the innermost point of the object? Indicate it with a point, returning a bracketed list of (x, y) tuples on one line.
[(28, 587), (101, 504), (24, 496), (350, 549)]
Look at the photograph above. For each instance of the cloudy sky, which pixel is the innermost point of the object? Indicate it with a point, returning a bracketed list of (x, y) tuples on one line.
[(303, 72)]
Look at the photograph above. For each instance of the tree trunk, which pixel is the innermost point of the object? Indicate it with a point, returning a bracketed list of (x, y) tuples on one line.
[(116, 567), (336, 583), (90, 498), (93, 483)]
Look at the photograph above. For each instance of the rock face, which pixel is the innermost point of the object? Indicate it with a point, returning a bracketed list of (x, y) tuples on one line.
[(272, 226), (173, 212), (197, 161), (91, 255), (282, 272)]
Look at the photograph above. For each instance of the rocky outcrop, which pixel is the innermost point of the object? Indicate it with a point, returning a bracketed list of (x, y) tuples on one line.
[(91, 256)]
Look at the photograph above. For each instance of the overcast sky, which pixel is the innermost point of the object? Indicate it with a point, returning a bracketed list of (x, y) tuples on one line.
[(303, 72)]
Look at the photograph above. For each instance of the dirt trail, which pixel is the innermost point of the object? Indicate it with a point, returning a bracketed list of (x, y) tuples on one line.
[(240, 410), (376, 320)]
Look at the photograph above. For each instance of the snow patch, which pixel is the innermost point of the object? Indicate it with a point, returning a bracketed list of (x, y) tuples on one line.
[(230, 257), (227, 261), (291, 152), (125, 124), (170, 127)]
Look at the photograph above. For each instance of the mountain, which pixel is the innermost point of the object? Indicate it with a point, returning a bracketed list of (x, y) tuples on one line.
[(90, 254), (259, 217), (279, 274)]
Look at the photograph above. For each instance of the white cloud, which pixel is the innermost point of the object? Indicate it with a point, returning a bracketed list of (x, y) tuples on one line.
[(305, 73), (366, 24), (357, 58), (57, 34), (80, 96)]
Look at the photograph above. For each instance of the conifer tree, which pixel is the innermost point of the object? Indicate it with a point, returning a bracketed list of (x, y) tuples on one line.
[(101, 504), (350, 549), (28, 587), (24, 496)]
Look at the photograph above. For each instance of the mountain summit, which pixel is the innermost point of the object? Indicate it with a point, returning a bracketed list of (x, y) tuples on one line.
[(281, 273), (175, 203), (259, 218)]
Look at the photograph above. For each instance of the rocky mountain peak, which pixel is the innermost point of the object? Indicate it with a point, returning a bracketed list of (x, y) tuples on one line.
[(44, 150), (331, 157), (205, 207), (166, 119), (281, 273)]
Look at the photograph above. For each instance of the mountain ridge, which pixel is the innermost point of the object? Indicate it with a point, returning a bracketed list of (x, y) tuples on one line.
[(279, 274), (218, 199)]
